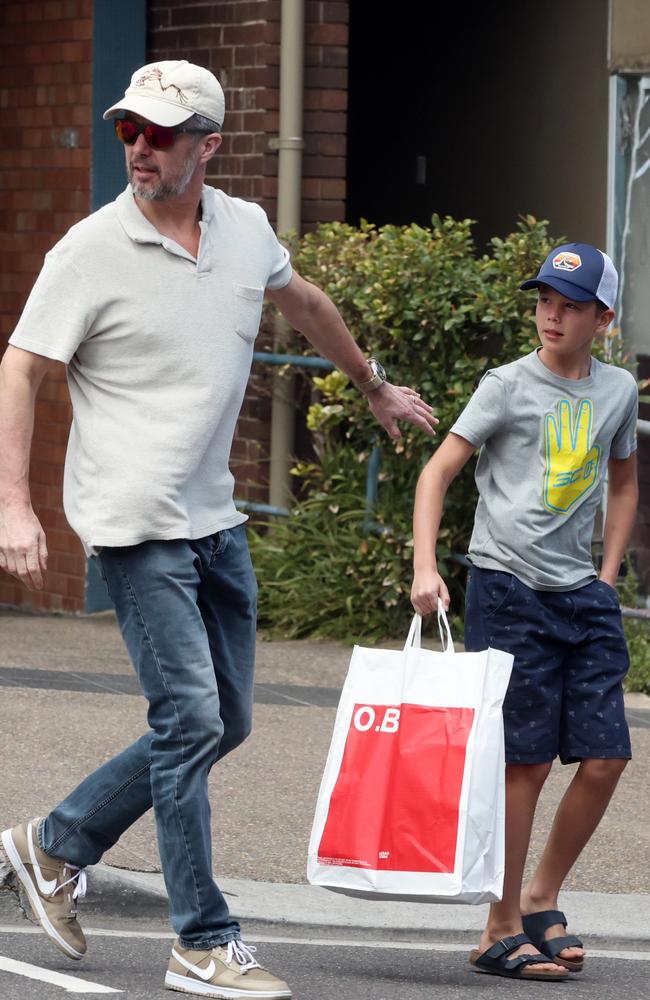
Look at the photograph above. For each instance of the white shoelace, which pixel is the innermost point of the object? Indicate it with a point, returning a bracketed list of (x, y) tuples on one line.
[(79, 876), (243, 955)]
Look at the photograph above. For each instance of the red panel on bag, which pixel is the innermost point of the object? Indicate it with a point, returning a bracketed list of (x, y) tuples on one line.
[(396, 800)]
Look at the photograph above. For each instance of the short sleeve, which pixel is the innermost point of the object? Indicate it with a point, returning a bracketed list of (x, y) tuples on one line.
[(485, 413), (280, 262), (624, 441), (58, 313)]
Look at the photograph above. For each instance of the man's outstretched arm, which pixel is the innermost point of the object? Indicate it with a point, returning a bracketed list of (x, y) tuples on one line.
[(23, 551), (308, 309)]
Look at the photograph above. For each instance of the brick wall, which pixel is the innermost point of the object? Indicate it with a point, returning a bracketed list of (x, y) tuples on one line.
[(239, 40), (45, 92)]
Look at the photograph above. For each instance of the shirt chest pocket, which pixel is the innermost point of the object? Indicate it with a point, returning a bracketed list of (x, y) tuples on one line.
[(248, 310)]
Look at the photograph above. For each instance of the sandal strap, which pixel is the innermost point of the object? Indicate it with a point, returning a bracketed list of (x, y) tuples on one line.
[(495, 957), (506, 945), (528, 960), (536, 924), (558, 944)]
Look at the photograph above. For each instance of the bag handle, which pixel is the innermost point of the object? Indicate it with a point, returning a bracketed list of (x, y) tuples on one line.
[(414, 638), (442, 620)]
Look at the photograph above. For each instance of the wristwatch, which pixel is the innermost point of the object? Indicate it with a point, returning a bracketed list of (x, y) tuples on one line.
[(378, 377)]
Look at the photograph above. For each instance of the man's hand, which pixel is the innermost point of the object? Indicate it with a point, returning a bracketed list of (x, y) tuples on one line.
[(427, 587), (390, 403), (23, 550)]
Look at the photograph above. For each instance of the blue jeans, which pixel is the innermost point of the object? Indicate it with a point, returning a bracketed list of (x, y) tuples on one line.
[(187, 614)]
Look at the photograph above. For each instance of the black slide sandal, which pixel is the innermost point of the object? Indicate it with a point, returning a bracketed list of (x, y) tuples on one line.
[(535, 926), (495, 961)]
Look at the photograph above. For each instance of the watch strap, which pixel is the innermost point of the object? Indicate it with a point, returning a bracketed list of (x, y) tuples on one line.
[(378, 378)]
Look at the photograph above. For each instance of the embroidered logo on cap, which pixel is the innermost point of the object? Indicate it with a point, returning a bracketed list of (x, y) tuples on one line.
[(156, 74), (566, 261)]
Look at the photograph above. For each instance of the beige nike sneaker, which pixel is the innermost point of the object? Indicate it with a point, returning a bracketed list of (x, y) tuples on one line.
[(52, 886), (226, 972)]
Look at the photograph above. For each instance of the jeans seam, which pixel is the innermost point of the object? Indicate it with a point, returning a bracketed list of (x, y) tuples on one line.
[(180, 730), (93, 812)]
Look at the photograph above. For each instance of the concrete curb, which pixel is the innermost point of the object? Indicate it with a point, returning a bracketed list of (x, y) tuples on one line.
[(116, 894), (624, 917)]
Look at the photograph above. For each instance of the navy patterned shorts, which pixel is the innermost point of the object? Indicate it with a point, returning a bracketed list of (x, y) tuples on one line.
[(566, 691)]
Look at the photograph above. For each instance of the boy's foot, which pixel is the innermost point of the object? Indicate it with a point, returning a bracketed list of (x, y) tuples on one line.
[(227, 971), (52, 886), (515, 958), (547, 930)]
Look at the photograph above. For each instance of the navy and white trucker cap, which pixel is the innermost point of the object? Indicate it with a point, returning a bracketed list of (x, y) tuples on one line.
[(580, 272)]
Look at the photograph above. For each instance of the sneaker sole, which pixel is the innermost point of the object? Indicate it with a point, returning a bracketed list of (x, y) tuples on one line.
[(182, 984), (34, 900)]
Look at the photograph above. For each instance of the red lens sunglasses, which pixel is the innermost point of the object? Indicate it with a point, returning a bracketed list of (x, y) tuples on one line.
[(156, 136)]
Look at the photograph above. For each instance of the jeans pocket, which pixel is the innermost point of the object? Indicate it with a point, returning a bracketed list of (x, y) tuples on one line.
[(221, 540), (496, 593), (609, 591)]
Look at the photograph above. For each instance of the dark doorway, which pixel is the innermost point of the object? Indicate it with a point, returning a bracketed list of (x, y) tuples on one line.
[(482, 111)]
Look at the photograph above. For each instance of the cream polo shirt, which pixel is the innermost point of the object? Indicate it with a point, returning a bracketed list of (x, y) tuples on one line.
[(158, 346)]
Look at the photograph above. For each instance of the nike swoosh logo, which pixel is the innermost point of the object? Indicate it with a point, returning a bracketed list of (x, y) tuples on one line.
[(45, 886), (205, 974)]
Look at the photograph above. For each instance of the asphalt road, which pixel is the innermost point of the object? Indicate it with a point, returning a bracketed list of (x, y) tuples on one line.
[(76, 671), (352, 968)]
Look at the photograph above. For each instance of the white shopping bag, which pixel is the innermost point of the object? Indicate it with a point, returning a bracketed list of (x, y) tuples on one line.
[(412, 801)]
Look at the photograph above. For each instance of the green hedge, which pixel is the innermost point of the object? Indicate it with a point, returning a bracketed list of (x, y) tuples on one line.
[(437, 313)]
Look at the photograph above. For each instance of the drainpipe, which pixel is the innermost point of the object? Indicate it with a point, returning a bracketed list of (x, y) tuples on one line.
[(290, 145)]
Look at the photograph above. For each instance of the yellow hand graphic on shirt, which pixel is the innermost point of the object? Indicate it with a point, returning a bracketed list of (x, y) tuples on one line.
[(572, 463)]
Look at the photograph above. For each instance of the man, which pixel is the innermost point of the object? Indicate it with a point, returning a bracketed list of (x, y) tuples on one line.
[(153, 303)]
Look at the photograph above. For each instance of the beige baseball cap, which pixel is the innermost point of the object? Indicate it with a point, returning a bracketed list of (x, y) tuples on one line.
[(171, 91)]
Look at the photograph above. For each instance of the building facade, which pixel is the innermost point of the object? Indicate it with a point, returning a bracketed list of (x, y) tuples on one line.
[(61, 63), (495, 117)]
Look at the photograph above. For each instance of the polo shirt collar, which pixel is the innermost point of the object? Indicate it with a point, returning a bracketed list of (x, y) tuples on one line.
[(137, 226), (134, 223)]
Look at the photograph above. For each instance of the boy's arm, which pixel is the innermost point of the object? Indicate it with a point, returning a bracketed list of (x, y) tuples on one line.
[(435, 479), (622, 499), (23, 552)]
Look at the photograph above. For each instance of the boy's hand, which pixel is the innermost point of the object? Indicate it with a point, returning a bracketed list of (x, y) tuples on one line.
[(427, 587)]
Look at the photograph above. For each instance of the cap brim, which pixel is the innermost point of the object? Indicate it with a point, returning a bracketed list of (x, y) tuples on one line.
[(158, 112), (566, 288)]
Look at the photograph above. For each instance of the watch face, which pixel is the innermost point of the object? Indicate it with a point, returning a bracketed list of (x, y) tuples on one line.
[(378, 369)]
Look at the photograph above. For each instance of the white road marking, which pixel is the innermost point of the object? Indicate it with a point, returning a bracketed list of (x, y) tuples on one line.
[(69, 983), (628, 956)]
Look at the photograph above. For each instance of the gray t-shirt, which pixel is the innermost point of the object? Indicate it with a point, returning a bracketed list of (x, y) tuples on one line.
[(158, 346), (545, 442)]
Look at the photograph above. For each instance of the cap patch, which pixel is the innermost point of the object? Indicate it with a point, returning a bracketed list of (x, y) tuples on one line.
[(155, 73), (566, 261)]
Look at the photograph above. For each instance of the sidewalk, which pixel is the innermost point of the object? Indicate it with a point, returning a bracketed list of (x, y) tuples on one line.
[(263, 795), (616, 918)]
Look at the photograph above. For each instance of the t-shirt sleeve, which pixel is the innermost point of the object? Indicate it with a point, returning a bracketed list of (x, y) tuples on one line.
[(280, 269), (624, 441), (485, 413), (58, 313)]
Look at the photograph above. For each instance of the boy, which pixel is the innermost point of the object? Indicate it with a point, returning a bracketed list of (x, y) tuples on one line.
[(549, 426)]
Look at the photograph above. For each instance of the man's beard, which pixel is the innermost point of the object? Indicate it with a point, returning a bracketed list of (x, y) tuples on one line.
[(171, 188)]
